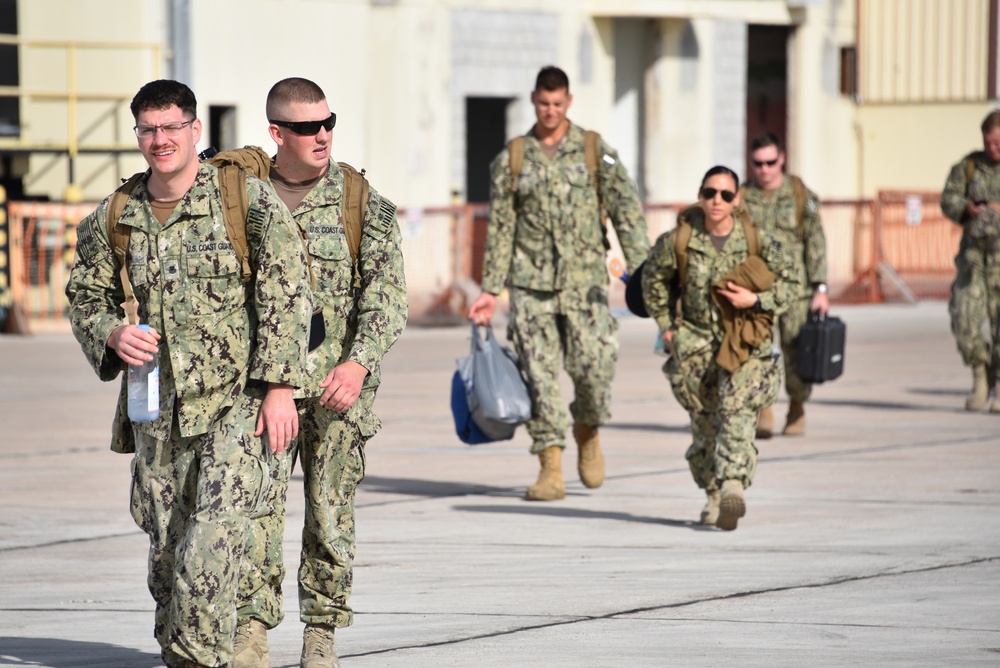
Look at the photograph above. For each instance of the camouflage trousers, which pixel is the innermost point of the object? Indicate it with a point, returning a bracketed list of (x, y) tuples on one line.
[(331, 450), (195, 497), (974, 302), (549, 327), (789, 325), (723, 409)]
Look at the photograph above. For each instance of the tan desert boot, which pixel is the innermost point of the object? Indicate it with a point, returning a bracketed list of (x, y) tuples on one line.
[(710, 513), (765, 423), (796, 424), (317, 647), (550, 485), (732, 505), (590, 463), (980, 390), (250, 646)]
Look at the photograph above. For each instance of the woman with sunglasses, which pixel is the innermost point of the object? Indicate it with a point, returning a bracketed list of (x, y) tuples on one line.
[(714, 285)]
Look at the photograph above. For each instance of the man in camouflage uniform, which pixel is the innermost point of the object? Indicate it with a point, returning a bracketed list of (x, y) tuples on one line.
[(230, 354), (363, 313), (722, 404), (544, 242), (780, 203), (971, 198)]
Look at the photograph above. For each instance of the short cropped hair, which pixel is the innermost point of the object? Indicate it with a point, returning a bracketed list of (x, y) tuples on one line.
[(551, 78), (162, 94), (290, 91), (991, 122), (765, 139)]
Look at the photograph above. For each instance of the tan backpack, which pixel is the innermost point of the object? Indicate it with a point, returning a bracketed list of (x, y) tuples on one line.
[(683, 237), (234, 165), (591, 146)]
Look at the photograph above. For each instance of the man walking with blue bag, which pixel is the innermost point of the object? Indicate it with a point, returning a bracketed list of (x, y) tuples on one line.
[(546, 241)]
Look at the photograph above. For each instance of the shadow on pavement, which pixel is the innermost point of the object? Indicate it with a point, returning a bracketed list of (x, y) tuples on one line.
[(57, 653), (434, 489), (579, 513)]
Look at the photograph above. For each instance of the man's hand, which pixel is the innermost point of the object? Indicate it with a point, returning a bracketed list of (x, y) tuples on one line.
[(481, 311), (343, 386), (821, 303), (133, 345), (738, 296), (668, 341), (973, 209), (279, 417)]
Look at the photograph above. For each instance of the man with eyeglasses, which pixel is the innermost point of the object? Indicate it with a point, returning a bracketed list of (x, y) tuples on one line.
[(230, 354), (363, 313), (780, 203), (545, 243)]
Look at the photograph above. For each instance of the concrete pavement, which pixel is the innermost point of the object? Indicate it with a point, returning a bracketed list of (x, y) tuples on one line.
[(873, 540)]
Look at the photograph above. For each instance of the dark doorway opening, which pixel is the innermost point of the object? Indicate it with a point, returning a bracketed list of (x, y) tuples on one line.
[(485, 136), (222, 127), (767, 82)]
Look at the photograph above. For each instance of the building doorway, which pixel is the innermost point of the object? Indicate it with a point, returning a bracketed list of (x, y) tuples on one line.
[(767, 82), (485, 136)]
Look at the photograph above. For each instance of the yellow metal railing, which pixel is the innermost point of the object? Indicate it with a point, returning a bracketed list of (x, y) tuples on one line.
[(72, 95)]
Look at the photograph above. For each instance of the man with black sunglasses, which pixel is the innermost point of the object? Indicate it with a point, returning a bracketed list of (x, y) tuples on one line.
[(363, 311), (545, 243), (780, 203)]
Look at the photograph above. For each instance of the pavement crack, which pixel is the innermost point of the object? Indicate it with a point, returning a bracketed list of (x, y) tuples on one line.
[(577, 619), (69, 541)]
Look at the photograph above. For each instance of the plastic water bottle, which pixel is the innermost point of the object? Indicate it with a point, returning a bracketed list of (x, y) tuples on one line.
[(144, 389)]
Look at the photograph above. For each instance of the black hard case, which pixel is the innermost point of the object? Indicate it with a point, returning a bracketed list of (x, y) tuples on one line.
[(821, 349)]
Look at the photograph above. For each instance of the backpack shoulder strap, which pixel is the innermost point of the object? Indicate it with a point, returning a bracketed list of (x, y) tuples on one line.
[(232, 188), (515, 150), (355, 201), (591, 156), (750, 231), (801, 194), (119, 236), (681, 239), (233, 168), (970, 165)]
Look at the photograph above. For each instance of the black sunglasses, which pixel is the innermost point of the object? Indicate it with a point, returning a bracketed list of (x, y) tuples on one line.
[(761, 163), (307, 128), (709, 193)]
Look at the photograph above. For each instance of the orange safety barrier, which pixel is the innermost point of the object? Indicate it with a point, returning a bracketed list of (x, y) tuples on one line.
[(911, 249), (42, 243), (897, 247)]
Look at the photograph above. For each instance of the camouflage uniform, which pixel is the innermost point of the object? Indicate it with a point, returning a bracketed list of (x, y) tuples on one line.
[(723, 406), (199, 473), (975, 294), (362, 322), (805, 244), (544, 242)]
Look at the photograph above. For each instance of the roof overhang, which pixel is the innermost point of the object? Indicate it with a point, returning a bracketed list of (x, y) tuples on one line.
[(775, 12)]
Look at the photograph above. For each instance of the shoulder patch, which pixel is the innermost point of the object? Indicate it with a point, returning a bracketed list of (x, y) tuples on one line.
[(608, 159), (87, 246), (257, 223), (383, 220)]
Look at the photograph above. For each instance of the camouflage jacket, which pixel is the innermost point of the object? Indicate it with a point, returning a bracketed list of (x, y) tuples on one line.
[(805, 244), (700, 324), (362, 322), (547, 235), (216, 333), (984, 186)]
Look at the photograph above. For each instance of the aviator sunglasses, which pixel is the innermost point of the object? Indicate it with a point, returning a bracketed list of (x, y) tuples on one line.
[(761, 163), (709, 193), (307, 128)]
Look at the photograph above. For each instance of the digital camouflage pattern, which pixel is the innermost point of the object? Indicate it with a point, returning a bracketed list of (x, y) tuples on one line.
[(975, 293), (805, 246), (723, 407), (546, 327), (199, 474), (196, 535), (362, 323), (544, 241), (547, 235)]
